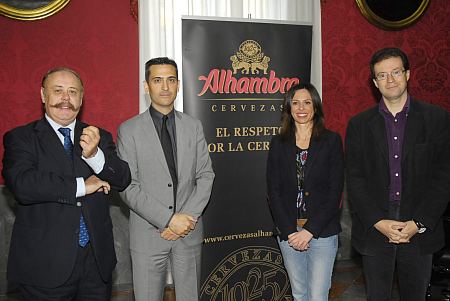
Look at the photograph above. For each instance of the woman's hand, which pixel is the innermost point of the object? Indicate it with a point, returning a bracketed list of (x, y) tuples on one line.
[(300, 240)]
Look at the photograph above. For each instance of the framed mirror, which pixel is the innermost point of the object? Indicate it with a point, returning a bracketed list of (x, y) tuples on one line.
[(392, 14), (31, 9)]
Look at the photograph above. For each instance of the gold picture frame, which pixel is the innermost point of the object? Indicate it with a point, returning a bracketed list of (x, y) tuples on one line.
[(27, 10), (392, 15)]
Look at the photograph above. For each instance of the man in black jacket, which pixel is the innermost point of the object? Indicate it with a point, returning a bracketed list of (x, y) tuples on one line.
[(60, 171), (398, 181)]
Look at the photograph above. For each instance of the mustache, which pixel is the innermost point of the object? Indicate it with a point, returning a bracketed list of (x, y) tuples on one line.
[(64, 104)]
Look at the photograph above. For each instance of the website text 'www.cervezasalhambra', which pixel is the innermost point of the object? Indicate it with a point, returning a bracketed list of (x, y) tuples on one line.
[(256, 234)]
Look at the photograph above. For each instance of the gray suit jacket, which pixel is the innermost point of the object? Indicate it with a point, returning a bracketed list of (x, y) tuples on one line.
[(150, 194)]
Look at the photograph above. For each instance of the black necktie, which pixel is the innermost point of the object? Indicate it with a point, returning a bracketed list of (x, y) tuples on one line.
[(83, 237), (167, 147)]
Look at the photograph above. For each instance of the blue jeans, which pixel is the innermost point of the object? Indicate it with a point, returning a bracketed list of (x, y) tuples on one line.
[(310, 271)]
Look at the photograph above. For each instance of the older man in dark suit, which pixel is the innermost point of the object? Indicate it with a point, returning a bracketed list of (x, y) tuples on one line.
[(398, 181), (60, 171)]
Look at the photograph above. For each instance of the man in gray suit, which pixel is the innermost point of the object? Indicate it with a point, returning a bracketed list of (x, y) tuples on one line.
[(171, 184)]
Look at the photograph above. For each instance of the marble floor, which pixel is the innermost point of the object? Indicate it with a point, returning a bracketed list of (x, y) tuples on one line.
[(348, 282), (347, 285)]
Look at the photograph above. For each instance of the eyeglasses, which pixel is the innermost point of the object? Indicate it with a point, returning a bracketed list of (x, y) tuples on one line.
[(384, 75)]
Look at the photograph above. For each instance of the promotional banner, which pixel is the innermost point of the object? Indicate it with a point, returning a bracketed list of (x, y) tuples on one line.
[(235, 74)]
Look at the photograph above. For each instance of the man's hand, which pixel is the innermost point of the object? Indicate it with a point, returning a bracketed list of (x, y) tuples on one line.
[(392, 229), (168, 234), (409, 231), (89, 140), (182, 223), (94, 184), (300, 240)]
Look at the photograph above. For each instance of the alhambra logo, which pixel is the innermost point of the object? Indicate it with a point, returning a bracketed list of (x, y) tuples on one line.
[(251, 273), (250, 58), (249, 74)]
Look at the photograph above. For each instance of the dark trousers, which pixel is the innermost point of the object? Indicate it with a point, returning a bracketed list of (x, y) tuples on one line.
[(85, 283), (413, 270)]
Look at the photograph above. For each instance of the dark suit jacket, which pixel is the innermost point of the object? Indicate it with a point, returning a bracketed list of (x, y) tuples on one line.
[(44, 241), (425, 175), (324, 177)]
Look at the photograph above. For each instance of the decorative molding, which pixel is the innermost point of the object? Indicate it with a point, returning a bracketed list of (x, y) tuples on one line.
[(392, 15), (134, 9), (28, 10)]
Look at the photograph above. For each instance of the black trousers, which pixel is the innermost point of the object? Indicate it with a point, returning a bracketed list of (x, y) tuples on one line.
[(85, 283), (413, 270)]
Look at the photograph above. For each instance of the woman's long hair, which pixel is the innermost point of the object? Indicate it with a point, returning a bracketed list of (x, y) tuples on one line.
[(287, 121)]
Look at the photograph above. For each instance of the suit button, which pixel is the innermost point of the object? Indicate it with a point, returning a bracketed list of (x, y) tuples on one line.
[(78, 204), (306, 193), (170, 207), (170, 185)]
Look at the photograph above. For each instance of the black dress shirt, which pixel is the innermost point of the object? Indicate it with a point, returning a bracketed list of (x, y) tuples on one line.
[(157, 121)]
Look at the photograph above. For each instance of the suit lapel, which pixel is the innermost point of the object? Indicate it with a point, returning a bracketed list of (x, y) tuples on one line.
[(313, 152), (378, 127), (181, 141), (52, 145), (414, 124), (151, 140), (77, 151), (289, 156)]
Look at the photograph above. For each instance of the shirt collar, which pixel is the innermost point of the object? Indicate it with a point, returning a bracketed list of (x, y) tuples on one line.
[(56, 126), (159, 115), (383, 108)]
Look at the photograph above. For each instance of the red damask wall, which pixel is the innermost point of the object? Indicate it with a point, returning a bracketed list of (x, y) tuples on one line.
[(348, 42), (99, 39)]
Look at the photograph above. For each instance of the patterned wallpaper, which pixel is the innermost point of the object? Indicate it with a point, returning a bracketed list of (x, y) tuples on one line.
[(98, 39), (101, 42), (348, 42)]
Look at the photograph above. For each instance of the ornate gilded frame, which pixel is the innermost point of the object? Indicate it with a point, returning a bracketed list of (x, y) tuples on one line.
[(381, 20), (23, 12)]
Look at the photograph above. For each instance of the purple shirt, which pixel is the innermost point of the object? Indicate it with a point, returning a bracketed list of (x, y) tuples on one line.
[(395, 130)]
